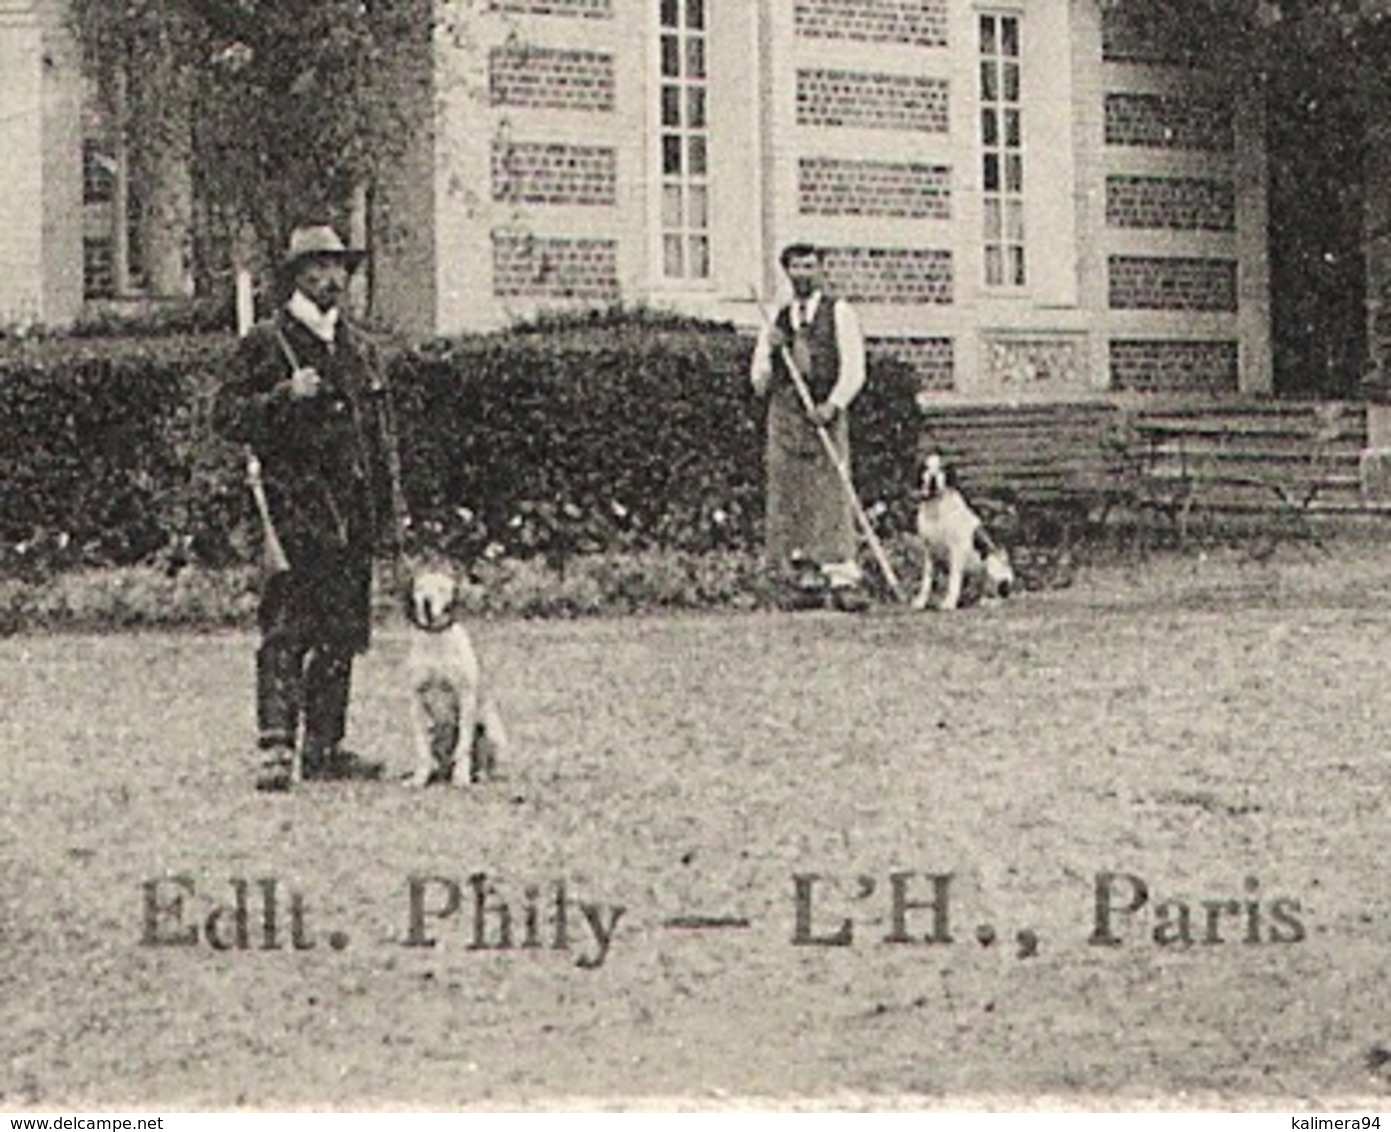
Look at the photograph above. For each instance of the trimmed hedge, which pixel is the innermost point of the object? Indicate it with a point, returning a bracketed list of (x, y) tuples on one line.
[(107, 456), (621, 433)]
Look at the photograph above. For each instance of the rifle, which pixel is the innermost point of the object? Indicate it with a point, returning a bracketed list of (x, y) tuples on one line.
[(277, 561)]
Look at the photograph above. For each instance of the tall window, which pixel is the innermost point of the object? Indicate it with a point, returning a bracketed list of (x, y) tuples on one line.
[(100, 172), (1002, 150), (685, 136)]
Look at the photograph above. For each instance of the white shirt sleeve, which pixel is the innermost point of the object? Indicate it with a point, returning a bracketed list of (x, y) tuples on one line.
[(851, 344), (761, 368)]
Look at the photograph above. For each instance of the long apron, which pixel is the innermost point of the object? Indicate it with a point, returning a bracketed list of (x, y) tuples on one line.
[(807, 508)]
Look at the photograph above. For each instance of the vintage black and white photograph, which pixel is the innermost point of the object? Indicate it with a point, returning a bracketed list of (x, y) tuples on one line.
[(695, 554)]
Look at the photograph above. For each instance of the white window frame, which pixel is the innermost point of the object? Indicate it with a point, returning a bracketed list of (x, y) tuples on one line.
[(999, 41), (683, 245)]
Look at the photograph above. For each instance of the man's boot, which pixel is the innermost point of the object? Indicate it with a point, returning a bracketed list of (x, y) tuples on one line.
[(327, 683)]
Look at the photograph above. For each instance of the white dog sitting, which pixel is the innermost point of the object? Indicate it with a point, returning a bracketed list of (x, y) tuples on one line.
[(453, 710), (955, 541)]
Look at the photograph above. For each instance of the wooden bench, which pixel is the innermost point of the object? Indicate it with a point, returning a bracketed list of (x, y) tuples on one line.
[(1053, 470), (1281, 464), (1060, 471)]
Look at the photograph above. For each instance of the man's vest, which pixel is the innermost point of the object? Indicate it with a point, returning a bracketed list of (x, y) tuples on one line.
[(822, 369)]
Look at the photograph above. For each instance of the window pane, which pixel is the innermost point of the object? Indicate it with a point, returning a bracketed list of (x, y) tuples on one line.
[(989, 127), (98, 280), (994, 266), (1014, 221), (671, 206), (671, 256), (671, 155), (700, 257), (684, 111), (1009, 36), (992, 219), (695, 58), (695, 107), (698, 211), (671, 106), (1002, 143), (989, 83), (992, 173), (98, 174)]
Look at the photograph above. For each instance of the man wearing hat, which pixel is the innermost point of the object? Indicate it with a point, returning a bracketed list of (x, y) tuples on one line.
[(305, 394)]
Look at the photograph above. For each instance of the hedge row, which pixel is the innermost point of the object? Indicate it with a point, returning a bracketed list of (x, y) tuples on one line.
[(106, 453), (623, 435)]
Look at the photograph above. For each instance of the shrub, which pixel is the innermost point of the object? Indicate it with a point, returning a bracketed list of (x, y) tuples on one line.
[(599, 434), (106, 454), (128, 597), (126, 318), (613, 435)]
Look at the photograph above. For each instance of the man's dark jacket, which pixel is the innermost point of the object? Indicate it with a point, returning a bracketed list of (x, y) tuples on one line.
[(324, 462)]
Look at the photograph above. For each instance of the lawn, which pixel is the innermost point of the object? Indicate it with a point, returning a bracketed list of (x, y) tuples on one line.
[(698, 808)]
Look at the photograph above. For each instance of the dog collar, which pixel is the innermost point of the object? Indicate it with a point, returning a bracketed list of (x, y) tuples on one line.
[(443, 626)]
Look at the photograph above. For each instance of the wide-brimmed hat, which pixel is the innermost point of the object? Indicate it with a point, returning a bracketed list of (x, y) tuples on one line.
[(318, 241)]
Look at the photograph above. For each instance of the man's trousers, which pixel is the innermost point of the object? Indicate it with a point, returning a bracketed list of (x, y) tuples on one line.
[(312, 625)]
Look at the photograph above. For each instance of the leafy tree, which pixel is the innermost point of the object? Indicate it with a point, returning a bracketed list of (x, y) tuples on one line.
[(1321, 64), (278, 111)]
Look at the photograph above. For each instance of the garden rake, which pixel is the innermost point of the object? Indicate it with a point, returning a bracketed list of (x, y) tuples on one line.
[(862, 519)]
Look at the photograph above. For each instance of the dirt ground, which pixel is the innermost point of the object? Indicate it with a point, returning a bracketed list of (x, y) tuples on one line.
[(1212, 729)]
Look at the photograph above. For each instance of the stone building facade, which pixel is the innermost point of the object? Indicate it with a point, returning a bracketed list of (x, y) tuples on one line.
[(42, 217), (1024, 199)]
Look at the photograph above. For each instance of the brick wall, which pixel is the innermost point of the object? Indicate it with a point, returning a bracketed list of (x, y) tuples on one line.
[(1185, 283), (1146, 365), (831, 187), (554, 173), (871, 101), (1158, 121), (891, 275), (921, 23), (593, 9), (547, 78), (1182, 203), (932, 359), (554, 268)]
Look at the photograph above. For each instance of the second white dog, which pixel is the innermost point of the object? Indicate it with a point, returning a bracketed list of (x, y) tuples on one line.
[(956, 542), (454, 715)]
